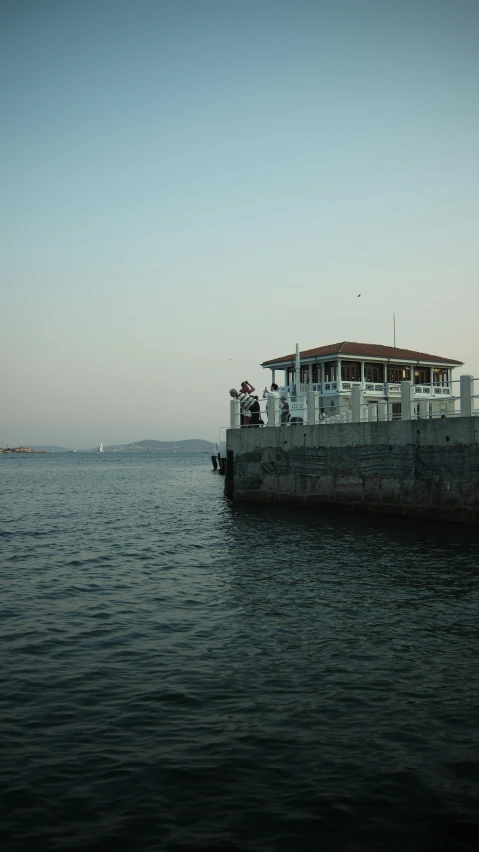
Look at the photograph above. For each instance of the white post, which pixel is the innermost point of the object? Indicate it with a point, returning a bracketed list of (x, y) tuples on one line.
[(406, 400), (297, 374), (313, 415), (382, 409), (371, 411), (364, 412), (235, 414), (362, 374), (273, 411), (356, 399), (467, 394), (339, 376)]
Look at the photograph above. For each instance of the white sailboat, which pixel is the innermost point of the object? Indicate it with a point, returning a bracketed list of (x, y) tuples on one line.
[(100, 448)]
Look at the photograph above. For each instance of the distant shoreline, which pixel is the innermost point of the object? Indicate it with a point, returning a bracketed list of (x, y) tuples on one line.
[(20, 450), (191, 445)]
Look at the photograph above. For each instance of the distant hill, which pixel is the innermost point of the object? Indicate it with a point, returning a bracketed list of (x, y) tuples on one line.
[(192, 445)]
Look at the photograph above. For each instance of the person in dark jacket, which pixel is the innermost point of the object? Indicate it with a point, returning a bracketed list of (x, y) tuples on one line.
[(285, 415)]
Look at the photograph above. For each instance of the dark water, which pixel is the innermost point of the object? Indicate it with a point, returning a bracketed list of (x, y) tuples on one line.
[(180, 674)]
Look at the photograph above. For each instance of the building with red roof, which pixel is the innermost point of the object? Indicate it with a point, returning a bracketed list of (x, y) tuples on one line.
[(378, 370)]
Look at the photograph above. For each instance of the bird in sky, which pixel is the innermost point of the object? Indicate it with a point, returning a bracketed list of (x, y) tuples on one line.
[(358, 295)]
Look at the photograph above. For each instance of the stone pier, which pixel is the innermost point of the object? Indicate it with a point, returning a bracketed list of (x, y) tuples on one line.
[(421, 468)]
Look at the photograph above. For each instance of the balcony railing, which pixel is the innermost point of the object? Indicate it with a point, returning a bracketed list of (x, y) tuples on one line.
[(373, 388), (406, 402)]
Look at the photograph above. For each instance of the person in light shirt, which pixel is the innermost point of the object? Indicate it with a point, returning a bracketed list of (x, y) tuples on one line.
[(271, 401)]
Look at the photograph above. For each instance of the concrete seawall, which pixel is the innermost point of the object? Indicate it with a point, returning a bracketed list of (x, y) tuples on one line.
[(421, 468)]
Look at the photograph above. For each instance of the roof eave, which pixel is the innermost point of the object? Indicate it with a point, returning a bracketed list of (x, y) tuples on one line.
[(381, 358)]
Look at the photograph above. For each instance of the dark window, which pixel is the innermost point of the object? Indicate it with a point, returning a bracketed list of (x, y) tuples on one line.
[(422, 376), (331, 371), (397, 374), (304, 374), (350, 371), (316, 374), (396, 410), (374, 372), (440, 377)]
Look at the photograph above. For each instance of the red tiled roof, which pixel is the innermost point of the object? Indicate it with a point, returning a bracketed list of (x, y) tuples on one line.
[(373, 350)]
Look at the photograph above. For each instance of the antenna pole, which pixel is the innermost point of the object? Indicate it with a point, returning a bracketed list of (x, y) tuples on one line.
[(394, 329)]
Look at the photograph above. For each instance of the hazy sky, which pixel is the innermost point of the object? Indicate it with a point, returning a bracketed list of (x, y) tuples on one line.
[(189, 187)]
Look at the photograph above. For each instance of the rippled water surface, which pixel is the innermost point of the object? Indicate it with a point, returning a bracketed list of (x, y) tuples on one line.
[(181, 674)]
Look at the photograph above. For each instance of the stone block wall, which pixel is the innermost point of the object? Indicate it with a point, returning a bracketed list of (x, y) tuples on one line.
[(426, 468)]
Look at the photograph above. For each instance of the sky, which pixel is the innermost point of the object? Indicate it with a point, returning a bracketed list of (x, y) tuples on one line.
[(190, 187)]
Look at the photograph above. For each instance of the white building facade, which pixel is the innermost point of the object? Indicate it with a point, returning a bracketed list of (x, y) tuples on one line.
[(332, 371)]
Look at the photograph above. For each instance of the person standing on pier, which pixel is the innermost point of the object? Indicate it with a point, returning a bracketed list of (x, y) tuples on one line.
[(249, 407), (271, 400), (285, 415), (247, 388)]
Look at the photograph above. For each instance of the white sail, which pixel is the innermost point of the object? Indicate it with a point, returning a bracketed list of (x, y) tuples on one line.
[(100, 448)]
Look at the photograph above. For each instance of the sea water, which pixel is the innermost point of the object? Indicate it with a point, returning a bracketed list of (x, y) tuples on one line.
[(181, 673)]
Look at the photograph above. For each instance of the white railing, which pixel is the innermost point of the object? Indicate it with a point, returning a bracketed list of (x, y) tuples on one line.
[(418, 402), (432, 390), (374, 388), (327, 387), (300, 410)]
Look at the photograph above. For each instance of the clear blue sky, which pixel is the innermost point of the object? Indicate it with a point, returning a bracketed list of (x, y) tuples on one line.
[(190, 187)]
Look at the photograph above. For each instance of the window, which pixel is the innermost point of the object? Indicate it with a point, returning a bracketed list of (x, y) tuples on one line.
[(304, 372), (374, 372), (396, 410), (331, 371), (440, 376), (397, 374), (422, 375), (316, 373), (350, 371)]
